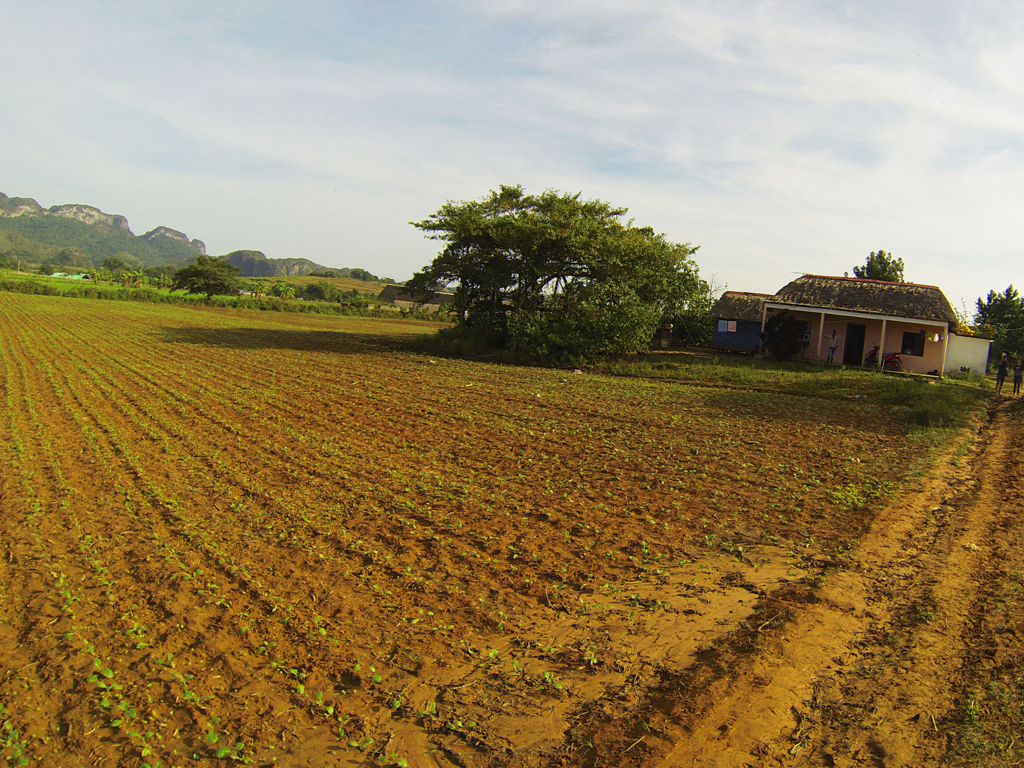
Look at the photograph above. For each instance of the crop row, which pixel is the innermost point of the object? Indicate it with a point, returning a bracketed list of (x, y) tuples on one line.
[(243, 528)]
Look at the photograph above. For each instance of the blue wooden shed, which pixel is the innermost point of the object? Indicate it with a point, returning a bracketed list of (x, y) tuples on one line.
[(737, 317)]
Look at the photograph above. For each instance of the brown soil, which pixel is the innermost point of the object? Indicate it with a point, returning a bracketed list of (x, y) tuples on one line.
[(872, 668), (292, 540)]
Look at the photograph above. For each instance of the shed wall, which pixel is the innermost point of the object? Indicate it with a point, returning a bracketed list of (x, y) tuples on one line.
[(967, 352), (746, 336)]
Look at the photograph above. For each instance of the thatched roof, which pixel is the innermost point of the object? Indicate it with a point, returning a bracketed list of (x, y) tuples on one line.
[(919, 302), (737, 305), (398, 293)]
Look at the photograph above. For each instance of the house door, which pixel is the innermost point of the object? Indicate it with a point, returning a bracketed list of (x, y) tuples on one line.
[(853, 354)]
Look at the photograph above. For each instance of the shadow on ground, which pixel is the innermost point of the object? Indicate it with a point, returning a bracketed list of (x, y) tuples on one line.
[(335, 342)]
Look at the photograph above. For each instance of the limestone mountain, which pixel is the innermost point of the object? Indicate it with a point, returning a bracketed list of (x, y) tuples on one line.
[(173, 234), (89, 215), (34, 234), (256, 264), (31, 232)]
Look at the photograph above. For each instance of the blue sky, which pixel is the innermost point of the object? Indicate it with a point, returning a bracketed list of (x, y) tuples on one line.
[(780, 137)]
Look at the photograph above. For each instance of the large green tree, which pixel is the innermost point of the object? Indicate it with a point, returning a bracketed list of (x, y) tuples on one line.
[(114, 265), (880, 265), (209, 275), (554, 277), (1000, 316), (72, 257)]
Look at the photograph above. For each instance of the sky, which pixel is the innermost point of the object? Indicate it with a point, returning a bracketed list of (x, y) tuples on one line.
[(781, 137)]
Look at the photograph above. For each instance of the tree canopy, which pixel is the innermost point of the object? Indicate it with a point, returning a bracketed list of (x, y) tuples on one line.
[(1000, 316), (880, 265), (72, 257), (554, 277), (283, 290), (208, 275), (114, 264)]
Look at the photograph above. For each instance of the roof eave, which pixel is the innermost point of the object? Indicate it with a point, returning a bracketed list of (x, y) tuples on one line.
[(854, 313)]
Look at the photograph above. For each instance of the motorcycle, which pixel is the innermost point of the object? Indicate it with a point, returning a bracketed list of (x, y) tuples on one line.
[(891, 362)]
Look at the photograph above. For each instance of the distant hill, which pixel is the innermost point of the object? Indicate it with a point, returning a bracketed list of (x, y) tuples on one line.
[(41, 233), (81, 235), (256, 264)]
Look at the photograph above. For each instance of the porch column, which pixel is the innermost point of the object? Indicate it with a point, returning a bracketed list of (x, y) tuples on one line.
[(764, 319), (945, 349), (821, 332), (881, 346)]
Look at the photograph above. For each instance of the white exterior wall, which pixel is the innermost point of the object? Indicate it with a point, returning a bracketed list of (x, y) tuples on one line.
[(967, 352)]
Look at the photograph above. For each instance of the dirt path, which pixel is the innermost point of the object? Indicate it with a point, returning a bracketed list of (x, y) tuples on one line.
[(873, 671)]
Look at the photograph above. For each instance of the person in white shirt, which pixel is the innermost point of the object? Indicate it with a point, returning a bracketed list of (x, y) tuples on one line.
[(833, 345)]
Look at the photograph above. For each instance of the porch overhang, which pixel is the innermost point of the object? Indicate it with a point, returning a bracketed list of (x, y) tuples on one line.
[(850, 313)]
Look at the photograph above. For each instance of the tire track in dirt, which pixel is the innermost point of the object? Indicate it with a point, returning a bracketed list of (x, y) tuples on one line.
[(930, 608)]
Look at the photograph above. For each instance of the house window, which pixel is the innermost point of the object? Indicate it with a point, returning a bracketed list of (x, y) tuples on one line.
[(913, 344), (727, 326)]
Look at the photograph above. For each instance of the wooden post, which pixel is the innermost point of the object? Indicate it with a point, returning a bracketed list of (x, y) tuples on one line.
[(821, 333), (881, 346), (764, 319), (945, 349)]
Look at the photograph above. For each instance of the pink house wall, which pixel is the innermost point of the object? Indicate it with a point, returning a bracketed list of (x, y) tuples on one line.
[(930, 361)]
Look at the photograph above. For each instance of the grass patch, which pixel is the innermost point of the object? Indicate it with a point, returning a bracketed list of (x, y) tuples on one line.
[(77, 289), (929, 403), (991, 731)]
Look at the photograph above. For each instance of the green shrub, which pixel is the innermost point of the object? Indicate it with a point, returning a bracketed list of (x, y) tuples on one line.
[(580, 334), (784, 336)]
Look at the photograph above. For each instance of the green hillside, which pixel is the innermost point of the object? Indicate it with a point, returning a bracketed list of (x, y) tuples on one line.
[(50, 234), (17, 248), (83, 236)]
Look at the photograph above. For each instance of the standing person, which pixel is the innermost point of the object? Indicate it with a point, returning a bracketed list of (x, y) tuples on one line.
[(833, 345), (1018, 376), (1004, 364)]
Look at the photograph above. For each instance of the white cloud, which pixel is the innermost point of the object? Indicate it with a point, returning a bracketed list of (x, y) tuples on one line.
[(779, 137)]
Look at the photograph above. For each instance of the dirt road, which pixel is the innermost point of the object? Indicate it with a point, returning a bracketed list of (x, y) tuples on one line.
[(931, 578), (875, 665)]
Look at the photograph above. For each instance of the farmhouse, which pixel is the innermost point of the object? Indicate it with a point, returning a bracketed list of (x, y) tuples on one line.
[(397, 295), (916, 321), (737, 321)]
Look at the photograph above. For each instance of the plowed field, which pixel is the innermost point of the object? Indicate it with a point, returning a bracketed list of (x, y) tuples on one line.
[(295, 540)]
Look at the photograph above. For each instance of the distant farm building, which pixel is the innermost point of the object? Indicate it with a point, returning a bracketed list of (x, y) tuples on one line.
[(67, 276), (737, 321), (917, 322), (397, 295)]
